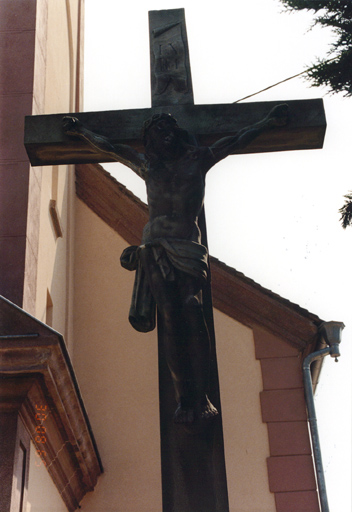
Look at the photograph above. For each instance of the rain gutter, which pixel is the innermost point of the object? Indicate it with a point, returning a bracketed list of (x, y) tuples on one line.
[(331, 334)]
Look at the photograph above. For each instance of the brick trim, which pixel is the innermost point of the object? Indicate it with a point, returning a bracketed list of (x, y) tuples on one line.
[(291, 474), (297, 501)]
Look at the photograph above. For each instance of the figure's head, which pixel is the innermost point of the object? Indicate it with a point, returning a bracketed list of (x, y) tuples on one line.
[(162, 135)]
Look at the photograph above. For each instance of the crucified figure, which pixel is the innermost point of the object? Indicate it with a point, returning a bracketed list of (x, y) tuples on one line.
[(171, 262)]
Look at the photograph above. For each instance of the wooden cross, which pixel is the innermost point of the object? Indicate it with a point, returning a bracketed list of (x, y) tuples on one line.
[(193, 467)]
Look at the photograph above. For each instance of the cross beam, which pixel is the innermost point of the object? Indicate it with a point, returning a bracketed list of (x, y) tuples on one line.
[(46, 143)]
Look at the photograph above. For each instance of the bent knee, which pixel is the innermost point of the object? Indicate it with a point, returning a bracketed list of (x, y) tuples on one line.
[(168, 311), (192, 304)]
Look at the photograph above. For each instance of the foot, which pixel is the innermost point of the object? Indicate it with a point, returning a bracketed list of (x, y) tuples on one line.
[(208, 411), (188, 415), (184, 415)]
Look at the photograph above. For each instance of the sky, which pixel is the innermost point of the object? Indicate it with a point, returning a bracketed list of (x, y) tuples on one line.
[(274, 216)]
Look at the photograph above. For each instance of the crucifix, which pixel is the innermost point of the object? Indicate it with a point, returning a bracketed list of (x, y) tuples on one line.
[(181, 142)]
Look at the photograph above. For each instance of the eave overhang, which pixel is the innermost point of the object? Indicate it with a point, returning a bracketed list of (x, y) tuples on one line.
[(37, 378)]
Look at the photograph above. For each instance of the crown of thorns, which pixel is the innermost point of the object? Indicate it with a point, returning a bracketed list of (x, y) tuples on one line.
[(154, 119)]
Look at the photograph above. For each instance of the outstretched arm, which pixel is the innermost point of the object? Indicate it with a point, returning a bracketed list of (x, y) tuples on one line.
[(119, 152), (278, 116)]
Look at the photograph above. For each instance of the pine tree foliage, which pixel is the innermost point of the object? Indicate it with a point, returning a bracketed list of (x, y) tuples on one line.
[(346, 211), (335, 71)]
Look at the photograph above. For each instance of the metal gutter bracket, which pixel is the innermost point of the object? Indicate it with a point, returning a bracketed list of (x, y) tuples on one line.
[(331, 332)]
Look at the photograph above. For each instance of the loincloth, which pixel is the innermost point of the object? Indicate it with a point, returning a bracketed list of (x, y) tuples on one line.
[(184, 255)]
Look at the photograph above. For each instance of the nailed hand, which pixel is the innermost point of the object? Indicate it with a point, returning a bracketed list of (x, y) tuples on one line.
[(278, 116), (71, 125)]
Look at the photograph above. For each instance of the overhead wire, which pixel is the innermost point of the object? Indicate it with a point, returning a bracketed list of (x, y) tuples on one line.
[(283, 81)]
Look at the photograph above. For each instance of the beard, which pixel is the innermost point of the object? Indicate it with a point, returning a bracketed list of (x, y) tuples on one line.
[(159, 148)]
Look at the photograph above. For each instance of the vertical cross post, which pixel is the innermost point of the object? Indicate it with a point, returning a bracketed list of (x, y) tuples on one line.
[(193, 463)]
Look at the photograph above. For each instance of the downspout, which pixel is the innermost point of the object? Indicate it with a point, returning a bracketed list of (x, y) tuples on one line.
[(331, 333)]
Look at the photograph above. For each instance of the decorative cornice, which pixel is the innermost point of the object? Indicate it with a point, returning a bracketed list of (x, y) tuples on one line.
[(38, 380)]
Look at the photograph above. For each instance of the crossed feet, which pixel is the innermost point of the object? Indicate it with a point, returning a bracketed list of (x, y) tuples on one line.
[(190, 414)]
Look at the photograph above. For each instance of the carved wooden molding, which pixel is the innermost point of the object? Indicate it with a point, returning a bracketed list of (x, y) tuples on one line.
[(38, 380)]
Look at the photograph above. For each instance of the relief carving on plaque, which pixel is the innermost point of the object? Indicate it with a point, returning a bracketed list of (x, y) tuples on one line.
[(169, 54)]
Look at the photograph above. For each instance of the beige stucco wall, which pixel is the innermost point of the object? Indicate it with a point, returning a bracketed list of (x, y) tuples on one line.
[(55, 255), (61, 50), (42, 495), (245, 435), (54, 91), (117, 370)]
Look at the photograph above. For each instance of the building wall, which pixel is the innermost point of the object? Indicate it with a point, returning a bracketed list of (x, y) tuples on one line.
[(39, 75), (53, 296), (118, 373), (117, 369), (42, 494), (39, 62), (290, 465), (245, 435), (17, 36)]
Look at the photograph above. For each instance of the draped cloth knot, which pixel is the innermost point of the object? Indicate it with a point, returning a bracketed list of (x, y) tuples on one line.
[(184, 255)]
